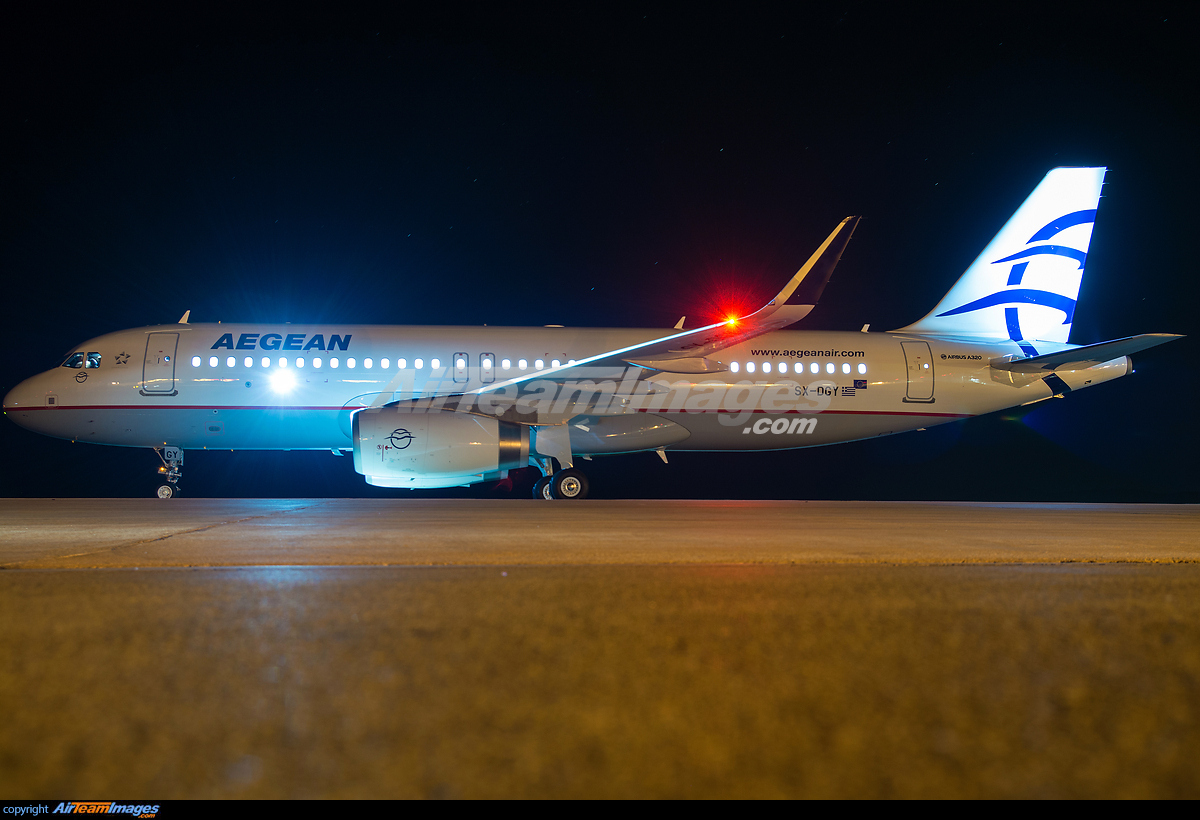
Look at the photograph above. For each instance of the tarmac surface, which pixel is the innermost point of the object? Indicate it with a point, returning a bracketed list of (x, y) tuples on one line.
[(449, 648)]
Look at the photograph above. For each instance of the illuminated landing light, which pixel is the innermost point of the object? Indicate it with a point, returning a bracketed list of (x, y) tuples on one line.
[(814, 368), (266, 362), (316, 363), (829, 367), (282, 381), (731, 320), (845, 367), (212, 361), (248, 362), (734, 367), (862, 368), (195, 361)]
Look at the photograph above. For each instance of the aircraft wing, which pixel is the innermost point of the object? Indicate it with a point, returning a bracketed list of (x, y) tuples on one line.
[(1081, 357), (691, 351)]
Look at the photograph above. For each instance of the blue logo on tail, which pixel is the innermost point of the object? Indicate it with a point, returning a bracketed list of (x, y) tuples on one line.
[(1026, 296)]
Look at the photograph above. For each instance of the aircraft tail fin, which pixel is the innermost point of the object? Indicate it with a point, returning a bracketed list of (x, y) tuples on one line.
[(1026, 282)]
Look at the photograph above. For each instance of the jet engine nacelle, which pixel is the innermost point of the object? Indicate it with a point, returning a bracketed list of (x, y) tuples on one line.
[(396, 447)]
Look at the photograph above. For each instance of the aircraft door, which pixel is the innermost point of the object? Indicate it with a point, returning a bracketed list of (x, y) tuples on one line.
[(920, 372), (158, 370)]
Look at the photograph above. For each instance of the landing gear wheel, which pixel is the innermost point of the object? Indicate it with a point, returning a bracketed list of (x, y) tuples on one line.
[(541, 488), (170, 471), (569, 484)]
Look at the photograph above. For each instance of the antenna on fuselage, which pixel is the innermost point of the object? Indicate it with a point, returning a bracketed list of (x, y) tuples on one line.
[(183, 319)]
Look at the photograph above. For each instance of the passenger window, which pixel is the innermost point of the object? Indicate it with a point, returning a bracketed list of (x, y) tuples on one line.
[(74, 360), (93, 360)]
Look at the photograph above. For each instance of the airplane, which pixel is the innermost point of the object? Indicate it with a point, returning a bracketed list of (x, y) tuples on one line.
[(430, 407)]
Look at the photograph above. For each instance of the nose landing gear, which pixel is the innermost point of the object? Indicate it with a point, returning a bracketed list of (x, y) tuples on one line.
[(171, 470)]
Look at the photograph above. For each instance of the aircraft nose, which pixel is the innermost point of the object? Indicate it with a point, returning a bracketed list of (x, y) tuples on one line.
[(20, 397)]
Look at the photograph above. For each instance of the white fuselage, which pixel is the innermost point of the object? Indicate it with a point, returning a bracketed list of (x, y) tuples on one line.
[(242, 386)]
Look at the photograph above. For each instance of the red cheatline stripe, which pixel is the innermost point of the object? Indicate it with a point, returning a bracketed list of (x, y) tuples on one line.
[(642, 410), (175, 407), (823, 413)]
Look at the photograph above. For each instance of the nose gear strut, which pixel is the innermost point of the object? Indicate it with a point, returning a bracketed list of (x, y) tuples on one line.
[(171, 470)]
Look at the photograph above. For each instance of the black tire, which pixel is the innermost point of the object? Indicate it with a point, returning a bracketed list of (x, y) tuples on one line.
[(539, 488), (569, 484)]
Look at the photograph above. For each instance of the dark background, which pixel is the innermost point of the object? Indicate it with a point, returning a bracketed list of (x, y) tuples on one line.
[(611, 166)]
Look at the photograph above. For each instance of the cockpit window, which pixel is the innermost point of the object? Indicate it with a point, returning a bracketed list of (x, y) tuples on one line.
[(93, 360), (74, 360)]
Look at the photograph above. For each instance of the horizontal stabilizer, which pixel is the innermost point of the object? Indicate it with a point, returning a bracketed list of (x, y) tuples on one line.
[(1078, 358)]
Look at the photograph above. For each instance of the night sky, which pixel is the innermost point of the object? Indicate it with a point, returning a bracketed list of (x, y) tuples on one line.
[(609, 166)]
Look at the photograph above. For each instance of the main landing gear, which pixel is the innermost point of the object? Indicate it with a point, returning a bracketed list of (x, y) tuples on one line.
[(171, 470), (566, 484)]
